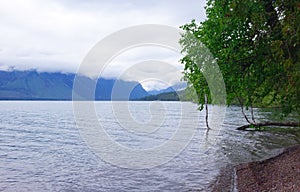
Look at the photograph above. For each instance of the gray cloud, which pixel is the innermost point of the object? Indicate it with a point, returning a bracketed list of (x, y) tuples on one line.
[(55, 35)]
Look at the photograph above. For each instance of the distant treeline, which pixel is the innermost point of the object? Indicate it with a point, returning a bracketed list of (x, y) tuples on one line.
[(169, 96)]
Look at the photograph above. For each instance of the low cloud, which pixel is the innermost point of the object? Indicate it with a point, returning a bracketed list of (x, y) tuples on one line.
[(55, 35)]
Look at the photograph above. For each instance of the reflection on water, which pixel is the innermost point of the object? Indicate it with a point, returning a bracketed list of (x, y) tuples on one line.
[(41, 149)]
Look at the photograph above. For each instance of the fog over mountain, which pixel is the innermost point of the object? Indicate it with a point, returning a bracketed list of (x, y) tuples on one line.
[(32, 85)]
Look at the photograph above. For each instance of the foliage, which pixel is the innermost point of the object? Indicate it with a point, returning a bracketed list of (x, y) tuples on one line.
[(257, 47)]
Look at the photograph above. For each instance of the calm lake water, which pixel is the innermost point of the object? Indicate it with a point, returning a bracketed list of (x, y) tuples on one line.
[(41, 148)]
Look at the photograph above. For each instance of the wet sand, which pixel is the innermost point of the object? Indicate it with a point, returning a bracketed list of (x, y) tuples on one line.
[(280, 173)]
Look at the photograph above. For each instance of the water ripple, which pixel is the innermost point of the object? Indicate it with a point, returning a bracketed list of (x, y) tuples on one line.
[(41, 150)]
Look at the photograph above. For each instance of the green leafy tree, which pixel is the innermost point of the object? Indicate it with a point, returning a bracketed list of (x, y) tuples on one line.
[(257, 47)]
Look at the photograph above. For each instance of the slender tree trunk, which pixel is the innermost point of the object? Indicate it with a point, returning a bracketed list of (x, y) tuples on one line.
[(242, 107), (252, 114), (206, 112)]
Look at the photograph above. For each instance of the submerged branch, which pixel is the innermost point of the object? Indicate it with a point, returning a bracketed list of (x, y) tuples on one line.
[(269, 123)]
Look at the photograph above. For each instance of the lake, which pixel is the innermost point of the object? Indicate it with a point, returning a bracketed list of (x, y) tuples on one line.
[(43, 147)]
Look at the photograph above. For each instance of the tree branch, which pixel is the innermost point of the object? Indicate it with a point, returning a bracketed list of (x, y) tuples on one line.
[(269, 123)]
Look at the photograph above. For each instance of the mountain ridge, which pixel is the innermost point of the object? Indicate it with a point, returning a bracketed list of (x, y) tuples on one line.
[(34, 85)]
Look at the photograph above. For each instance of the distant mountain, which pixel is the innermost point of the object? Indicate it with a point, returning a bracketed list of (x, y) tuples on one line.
[(168, 96), (156, 92), (173, 93), (32, 85), (110, 89), (177, 87)]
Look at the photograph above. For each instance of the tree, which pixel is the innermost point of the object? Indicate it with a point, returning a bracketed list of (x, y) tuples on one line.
[(257, 47)]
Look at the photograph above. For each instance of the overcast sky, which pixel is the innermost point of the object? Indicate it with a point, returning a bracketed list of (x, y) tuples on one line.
[(55, 35)]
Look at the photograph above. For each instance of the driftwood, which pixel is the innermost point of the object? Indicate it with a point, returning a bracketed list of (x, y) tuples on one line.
[(253, 124), (269, 123)]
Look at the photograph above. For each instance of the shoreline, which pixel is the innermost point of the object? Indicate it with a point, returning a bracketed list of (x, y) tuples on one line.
[(278, 173)]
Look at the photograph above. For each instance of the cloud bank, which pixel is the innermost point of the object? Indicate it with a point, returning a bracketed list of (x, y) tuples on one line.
[(55, 35)]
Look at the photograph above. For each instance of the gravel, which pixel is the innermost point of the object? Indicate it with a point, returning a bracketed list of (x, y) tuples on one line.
[(279, 173)]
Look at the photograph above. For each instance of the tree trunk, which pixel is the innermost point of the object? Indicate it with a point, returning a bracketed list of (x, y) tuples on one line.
[(206, 112), (269, 123)]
